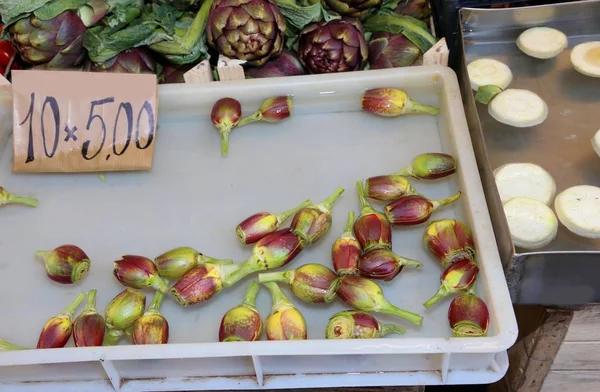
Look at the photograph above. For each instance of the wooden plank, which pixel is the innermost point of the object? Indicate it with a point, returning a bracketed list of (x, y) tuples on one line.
[(578, 356), (531, 357), (567, 381), (585, 325)]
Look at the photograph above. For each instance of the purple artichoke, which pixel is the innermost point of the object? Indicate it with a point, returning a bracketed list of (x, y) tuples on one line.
[(387, 50), (172, 73), (416, 8), (286, 64), (138, 60), (57, 43), (250, 30), (335, 46), (355, 8)]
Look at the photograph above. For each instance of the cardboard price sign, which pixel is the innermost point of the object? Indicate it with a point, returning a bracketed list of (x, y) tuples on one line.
[(67, 121)]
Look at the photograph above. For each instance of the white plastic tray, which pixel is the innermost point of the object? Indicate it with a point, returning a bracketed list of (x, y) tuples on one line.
[(195, 197)]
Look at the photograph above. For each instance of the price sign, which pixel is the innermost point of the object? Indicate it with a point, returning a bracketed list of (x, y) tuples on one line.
[(66, 121)]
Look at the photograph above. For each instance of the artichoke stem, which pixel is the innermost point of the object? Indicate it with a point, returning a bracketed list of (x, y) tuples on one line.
[(225, 141), (158, 284), (441, 293), (6, 346), (12, 199), (279, 298), (239, 272), (332, 290), (331, 199), (387, 329), (410, 263), (415, 107), (112, 337), (348, 230), (282, 217), (91, 301), (403, 314), (277, 276), (70, 310), (256, 116), (365, 207), (440, 203), (156, 302), (251, 293)]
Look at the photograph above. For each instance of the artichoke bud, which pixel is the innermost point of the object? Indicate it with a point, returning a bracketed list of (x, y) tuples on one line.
[(388, 188), (138, 272), (270, 252), (286, 64), (387, 50), (391, 102), (275, 109), (356, 9), (458, 277), (121, 314), (430, 166), (65, 264), (346, 250), (311, 283), (88, 328), (355, 324), (242, 323), (285, 322), (152, 327), (414, 209), (57, 330), (468, 316), (366, 295), (449, 241), (383, 264), (312, 222), (225, 115), (372, 229), (176, 262), (259, 225), (8, 198), (201, 283)]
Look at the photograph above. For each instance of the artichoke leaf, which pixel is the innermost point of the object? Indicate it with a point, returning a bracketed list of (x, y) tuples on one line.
[(102, 44), (54, 8), (198, 53), (413, 29), (299, 16), (187, 47), (14, 10)]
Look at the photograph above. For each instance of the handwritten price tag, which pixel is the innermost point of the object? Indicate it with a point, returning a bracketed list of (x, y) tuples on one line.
[(66, 121)]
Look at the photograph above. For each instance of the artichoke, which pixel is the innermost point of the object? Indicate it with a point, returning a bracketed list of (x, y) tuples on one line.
[(57, 42), (355, 8), (287, 64), (138, 60), (416, 8), (335, 46), (250, 30), (387, 50)]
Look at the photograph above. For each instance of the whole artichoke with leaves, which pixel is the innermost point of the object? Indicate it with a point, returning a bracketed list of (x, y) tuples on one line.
[(335, 46), (355, 8), (250, 30), (137, 60), (57, 42)]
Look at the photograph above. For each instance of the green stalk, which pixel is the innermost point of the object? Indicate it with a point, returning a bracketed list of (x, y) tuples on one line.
[(256, 116), (251, 293), (415, 107), (441, 293), (388, 308), (203, 259), (239, 271), (485, 94), (349, 229), (277, 276), (410, 262), (365, 206), (279, 298), (282, 217), (387, 329), (154, 306), (70, 310), (444, 202), (158, 284), (91, 302), (330, 200), (225, 141), (13, 199), (6, 346)]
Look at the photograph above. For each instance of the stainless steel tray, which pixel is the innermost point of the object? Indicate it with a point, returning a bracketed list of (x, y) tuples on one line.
[(561, 144)]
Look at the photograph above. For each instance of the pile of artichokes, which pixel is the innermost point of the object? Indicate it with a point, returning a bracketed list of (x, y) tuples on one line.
[(168, 37)]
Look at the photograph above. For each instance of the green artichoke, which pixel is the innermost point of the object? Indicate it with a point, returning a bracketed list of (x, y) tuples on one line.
[(335, 46), (387, 50), (57, 42), (355, 8), (250, 30)]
